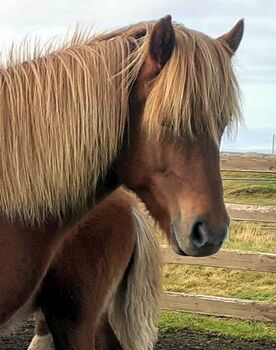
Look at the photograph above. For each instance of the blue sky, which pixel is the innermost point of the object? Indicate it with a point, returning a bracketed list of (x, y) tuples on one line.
[(255, 61)]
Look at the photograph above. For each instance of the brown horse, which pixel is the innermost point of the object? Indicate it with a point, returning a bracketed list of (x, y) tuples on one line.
[(144, 106), (107, 268)]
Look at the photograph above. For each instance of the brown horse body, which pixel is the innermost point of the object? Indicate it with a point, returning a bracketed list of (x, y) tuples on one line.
[(107, 270), (181, 93)]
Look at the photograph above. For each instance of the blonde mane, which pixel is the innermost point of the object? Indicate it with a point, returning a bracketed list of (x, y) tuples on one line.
[(63, 115)]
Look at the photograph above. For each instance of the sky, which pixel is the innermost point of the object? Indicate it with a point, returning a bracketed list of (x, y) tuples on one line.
[(255, 61)]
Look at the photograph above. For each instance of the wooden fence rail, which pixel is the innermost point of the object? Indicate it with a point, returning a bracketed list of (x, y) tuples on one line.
[(231, 259), (237, 170), (228, 259), (218, 306), (261, 221), (249, 179), (265, 214)]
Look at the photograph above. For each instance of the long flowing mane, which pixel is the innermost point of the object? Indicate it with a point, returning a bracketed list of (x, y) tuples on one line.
[(63, 115)]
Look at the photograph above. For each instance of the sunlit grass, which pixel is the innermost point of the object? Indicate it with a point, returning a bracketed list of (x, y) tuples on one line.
[(253, 237), (237, 174), (219, 282), (171, 321), (250, 192)]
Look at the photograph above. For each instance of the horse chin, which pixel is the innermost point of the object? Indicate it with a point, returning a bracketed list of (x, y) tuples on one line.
[(175, 245)]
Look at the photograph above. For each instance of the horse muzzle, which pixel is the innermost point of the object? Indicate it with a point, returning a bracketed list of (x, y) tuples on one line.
[(198, 238)]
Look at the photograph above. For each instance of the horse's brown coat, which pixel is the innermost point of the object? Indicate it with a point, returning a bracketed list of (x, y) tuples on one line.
[(171, 122), (92, 266)]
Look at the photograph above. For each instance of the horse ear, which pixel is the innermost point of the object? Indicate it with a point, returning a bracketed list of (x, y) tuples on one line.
[(234, 36), (162, 41)]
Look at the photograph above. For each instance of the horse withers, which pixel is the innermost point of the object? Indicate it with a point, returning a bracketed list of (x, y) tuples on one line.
[(144, 106)]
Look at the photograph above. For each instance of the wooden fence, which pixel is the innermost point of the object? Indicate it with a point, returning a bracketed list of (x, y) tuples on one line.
[(255, 213), (218, 306), (230, 259)]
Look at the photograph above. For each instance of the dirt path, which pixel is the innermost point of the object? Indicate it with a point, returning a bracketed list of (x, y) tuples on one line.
[(245, 161), (180, 340), (187, 340)]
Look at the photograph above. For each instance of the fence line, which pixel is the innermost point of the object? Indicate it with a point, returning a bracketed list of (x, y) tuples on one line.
[(231, 259), (237, 170), (249, 179), (228, 259), (261, 221), (240, 214), (218, 306)]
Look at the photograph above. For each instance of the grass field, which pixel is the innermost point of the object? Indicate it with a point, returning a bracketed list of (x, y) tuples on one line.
[(231, 283), (171, 321), (250, 192)]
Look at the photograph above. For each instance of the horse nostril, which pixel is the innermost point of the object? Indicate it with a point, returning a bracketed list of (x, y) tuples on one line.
[(199, 235)]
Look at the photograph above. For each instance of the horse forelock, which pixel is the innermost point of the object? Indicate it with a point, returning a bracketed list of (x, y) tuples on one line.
[(196, 91)]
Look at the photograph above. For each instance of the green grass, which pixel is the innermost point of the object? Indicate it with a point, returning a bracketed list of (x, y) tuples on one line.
[(250, 192), (219, 282), (248, 175), (172, 321), (252, 237)]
